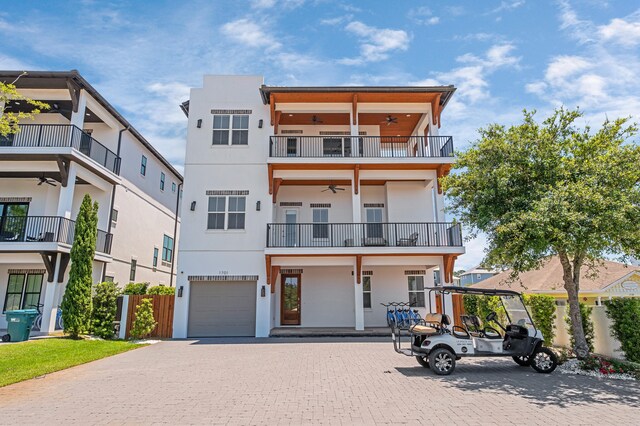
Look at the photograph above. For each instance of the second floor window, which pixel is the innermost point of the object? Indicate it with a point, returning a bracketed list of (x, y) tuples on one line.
[(236, 126), (320, 223), (162, 178), (155, 257), (167, 249), (173, 187), (416, 291), (132, 272), (226, 212), (143, 166)]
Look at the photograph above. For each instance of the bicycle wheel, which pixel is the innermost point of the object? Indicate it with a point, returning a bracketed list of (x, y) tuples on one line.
[(59, 322), (37, 323)]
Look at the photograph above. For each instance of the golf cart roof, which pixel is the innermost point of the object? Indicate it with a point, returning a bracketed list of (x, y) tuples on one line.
[(476, 291)]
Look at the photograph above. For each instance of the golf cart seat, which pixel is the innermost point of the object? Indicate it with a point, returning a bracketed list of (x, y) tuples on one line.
[(475, 328), (422, 329)]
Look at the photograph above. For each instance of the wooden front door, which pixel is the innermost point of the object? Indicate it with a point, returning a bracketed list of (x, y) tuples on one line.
[(290, 299)]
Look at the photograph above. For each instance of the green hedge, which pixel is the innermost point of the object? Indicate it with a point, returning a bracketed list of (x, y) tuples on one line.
[(161, 289), (587, 326), (543, 310), (625, 317), (135, 288), (104, 309)]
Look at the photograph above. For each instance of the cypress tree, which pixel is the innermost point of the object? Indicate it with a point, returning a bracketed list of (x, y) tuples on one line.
[(76, 303)]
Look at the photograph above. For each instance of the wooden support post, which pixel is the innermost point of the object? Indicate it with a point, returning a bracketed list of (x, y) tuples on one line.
[(277, 123), (270, 172), (354, 109), (63, 166), (267, 259), (356, 178), (275, 270), (272, 109), (359, 268), (276, 186)]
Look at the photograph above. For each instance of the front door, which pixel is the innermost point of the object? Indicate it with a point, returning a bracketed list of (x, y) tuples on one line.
[(290, 299)]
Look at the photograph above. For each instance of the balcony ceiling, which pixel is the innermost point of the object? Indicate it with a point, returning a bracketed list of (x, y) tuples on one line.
[(405, 125), (63, 107)]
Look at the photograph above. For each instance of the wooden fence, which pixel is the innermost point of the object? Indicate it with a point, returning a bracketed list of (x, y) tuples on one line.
[(162, 313)]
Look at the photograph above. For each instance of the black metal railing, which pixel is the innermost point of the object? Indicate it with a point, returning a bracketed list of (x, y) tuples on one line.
[(60, 136), (433, 234), (53, 229), (361, 146)]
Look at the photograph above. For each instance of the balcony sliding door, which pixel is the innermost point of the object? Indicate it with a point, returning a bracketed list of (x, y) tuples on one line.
[(13, 218)]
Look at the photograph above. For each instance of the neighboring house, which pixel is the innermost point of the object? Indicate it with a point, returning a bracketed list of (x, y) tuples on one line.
[(310, 206), (436, 278), (613, 280), (475, 275), (82, 145)]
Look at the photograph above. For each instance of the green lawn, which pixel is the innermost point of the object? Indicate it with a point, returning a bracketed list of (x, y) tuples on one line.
[(22, 361)]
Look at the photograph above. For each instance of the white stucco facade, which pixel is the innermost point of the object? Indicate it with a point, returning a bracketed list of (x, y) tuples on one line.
[(100, 156), (383, 220)]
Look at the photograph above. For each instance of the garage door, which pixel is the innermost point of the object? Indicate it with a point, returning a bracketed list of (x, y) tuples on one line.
[(226, 308)]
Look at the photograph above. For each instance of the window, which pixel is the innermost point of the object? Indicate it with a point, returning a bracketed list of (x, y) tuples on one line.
[(366, 292), (292, 147), (162, 177), (108, 279), (143, 166), (332, 147), (374, 223), (218, 212), (167, 249), (155, 257), (320, 223), (173, 187), (21, 296), (132, 273), (114, 215), (416, 291), (236, 125)]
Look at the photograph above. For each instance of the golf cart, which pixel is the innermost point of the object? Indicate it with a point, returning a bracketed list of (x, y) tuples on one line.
[(438, 344)]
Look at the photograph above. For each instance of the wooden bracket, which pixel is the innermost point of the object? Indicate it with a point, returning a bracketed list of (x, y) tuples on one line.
[(267, 259), (63, 166), (354, 110), (49, 260), (275, 270), (270, 173), (272, 109), (449, 262), (442, 171), (74, 93), (277, 123), (276, 186), (64, 262), (435, 110), (356, 178), (359, 268)]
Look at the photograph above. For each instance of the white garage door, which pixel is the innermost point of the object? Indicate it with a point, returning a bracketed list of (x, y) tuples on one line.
[(222, 308)]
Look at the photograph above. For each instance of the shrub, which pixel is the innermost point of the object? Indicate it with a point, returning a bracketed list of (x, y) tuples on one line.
[(161, 289), (587, 326), (144, 323), (609, 366), (104, 309), (470, 302), (625, 317), (481, 306), (135, 288), (543, 311)]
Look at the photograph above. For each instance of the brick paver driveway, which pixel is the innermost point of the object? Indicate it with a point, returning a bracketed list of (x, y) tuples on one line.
[(301, 381)]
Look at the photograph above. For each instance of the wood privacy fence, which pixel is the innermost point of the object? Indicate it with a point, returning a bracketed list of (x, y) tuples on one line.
[(162, 313)]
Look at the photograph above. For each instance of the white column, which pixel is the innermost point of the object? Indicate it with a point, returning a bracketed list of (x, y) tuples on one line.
[(65, 199), (50, 308), (355, 202), (122, 333), (355, 131), (263, 307), (439, 205), (77, 118), (181, 308), (358, 305)]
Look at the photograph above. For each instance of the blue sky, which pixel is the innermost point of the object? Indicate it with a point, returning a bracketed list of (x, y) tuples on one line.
[(503, 55)]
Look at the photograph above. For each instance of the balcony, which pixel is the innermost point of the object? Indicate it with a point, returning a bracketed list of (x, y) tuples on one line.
[(334, 146), (34, 136), (31, 230), (310, 235)]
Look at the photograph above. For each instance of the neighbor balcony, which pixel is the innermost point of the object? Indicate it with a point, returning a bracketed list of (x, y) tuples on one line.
[(35, 233), (362, 147), (42, 141), (348, 235)]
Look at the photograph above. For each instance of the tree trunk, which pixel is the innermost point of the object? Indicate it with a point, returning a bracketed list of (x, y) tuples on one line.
[(571, 278)]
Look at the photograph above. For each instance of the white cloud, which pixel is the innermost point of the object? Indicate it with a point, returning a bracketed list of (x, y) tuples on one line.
[(423, 15), (268, 4), (623, 32), (10, 63), (508, 6), (376, 44), (249, 33)]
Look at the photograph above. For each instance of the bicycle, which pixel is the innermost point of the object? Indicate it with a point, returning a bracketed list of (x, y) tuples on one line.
[(37, 323)]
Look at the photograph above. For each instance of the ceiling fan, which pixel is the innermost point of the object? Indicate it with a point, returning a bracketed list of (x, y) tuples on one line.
[(390, 120), (316, 120), (46, 180), (333, 188)]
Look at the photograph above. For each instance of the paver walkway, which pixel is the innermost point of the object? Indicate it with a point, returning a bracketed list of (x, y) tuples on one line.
[(301, 381)]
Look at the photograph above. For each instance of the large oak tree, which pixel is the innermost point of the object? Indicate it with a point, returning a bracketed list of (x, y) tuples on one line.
[(552, 188)]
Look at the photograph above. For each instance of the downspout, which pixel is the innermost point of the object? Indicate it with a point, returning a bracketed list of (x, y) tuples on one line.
[(113, 195), (175, 231)]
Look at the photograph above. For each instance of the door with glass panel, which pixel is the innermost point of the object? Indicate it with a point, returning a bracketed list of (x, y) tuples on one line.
[(374, 228), (291, 228), (23, 291), (13, 219), (290, 299)]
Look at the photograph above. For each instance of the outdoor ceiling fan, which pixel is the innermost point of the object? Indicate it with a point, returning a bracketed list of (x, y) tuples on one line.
[(46, 180), (316, 120), (333, 188), (390, 120)]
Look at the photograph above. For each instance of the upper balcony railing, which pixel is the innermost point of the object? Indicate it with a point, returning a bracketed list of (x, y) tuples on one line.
[(432, 234), (62, 136), (361, 146), (49, 229)]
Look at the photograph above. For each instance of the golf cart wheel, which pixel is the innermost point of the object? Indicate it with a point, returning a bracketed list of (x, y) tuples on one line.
[(442, 361), (544, 360), (6, 338), (523, 361), (423, 361)]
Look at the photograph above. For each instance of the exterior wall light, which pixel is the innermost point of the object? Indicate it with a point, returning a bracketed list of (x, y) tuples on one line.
[(180, 289), (199, 123), (193, 206), (260, 122), (257, 206), (263, 291)]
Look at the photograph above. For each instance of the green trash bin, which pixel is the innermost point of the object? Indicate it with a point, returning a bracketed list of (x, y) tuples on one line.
[(19, 325)]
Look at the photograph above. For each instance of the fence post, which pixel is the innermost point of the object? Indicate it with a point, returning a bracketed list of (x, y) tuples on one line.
[(122, 333)]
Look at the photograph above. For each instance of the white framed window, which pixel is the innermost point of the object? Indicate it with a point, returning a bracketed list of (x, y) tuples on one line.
[(366, 292), (226, 212), (416, 291), (320, 223), (236, 126), (374, 222), (162, 179)]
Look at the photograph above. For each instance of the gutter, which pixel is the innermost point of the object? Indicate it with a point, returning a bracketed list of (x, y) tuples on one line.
[(175, 231)]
